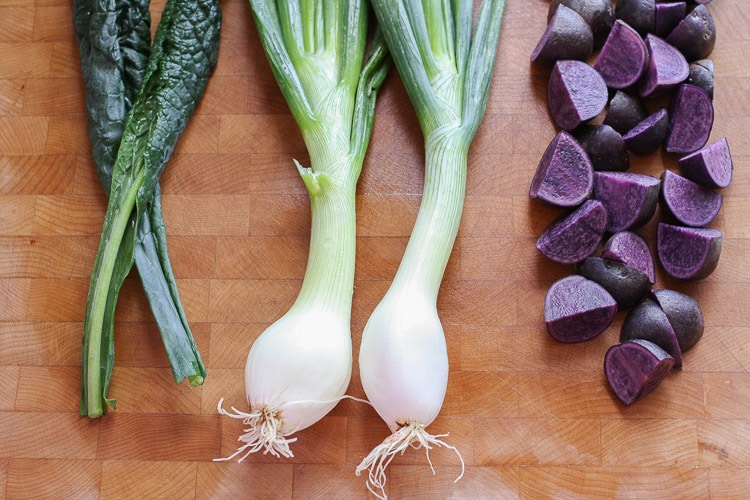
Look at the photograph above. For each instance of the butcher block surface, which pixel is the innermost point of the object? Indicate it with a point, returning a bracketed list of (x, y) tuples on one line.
[(531, 417)]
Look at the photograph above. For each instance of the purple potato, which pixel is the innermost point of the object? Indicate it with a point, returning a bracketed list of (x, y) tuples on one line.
[(567, 36), (625, 111), (599, 14), (695, 35), (635, 368), (710, 166), (605, 147), (684, 314), (630, 199), (632, 249), (575, 235), (691, 118), (666, 68), (576, 94), (688, 202), (623, 58), (701, 74), (626, 284), (564, 176), (639, 14), (648, 321), (688, 253), (648, 135), (577, 309), (667, 16)]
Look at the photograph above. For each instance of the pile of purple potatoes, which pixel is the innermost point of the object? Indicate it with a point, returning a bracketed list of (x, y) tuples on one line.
[(630, 78)]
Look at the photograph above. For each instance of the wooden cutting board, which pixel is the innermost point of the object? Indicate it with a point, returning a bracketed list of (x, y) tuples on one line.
[(531, 417)]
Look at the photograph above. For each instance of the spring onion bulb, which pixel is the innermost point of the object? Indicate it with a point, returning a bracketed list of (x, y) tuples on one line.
[(300, 366), (446, 70)]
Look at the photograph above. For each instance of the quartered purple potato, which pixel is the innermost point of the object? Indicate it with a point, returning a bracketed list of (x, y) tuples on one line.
[(691, 118), (635, 368), (688, 202), (625, 111), (630, 199), (639, 14), (632, 249), (564, 176), (710, 166), (605, 147), (577, 309), (695, 36), (598, 14), (567, 36), (701, 74), (623, 58), (648, 321), (666, 68), (667, 16), (684, 314), (576, 94), (648, 135), (576, 235), (688, 253), (626, 284)]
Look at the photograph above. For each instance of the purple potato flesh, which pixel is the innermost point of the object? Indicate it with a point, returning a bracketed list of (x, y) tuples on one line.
[(630, 199), (567, 36), (635, 368), (625, 111), (640, 14), (666, 68), (695, 35), (605, 147), (691, 118), (648, 321), (564, 176), (623, 58), (710, 166), (576, 93), (576, 235), (667, 16), (688, 253), (684, 314), (688, 202), (627, 285), (577, 309), (648, 135), (632, 249), (701, 74), (598, 14)]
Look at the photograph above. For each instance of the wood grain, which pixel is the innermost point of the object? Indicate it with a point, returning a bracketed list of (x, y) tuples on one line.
[(532, 418)]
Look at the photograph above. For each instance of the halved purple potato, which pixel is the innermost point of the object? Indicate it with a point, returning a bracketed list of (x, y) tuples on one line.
[(567, 36), (691, 118), (577, 309), (667, 16), (564, 176), (626, 284), (666, 68), (630, 199), (635, 368), (623, 58), (648, 135), (710, 166), (684, 314), (605, 147), (701, 74), (576, 94), (695, 36), (639, 14), (625, 111), (688, 253), (632, 249), (576, 235), (688, 202), (648, 321), (599, 14)]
